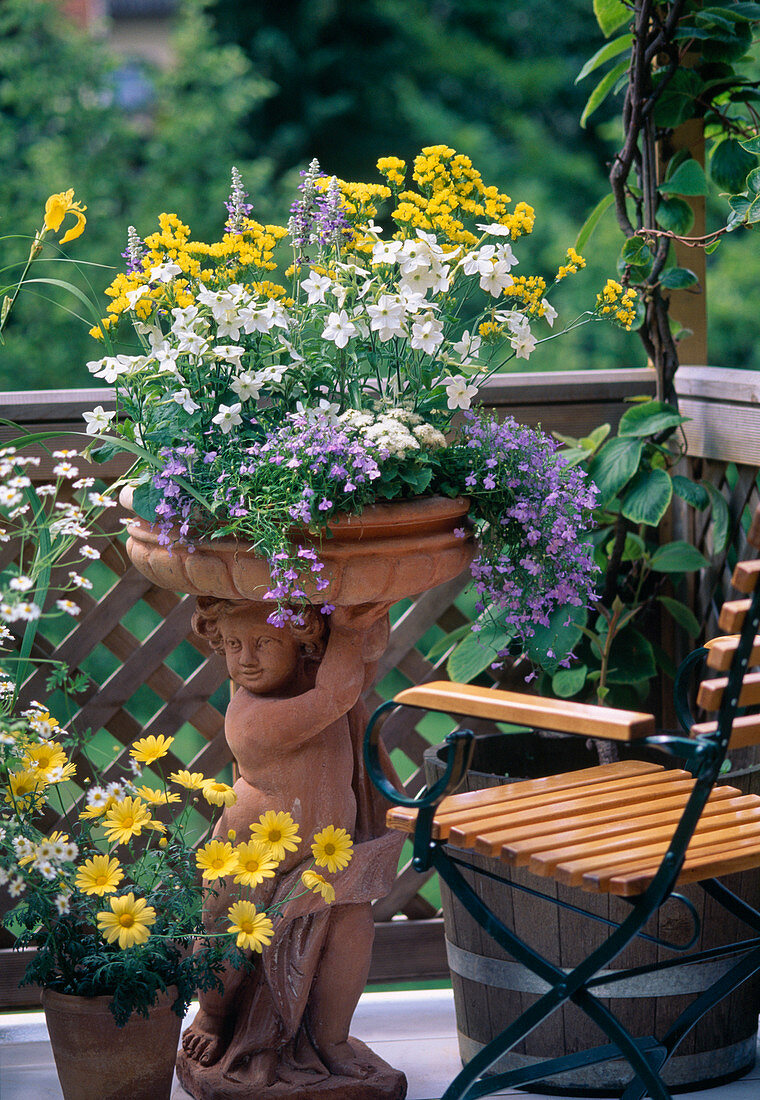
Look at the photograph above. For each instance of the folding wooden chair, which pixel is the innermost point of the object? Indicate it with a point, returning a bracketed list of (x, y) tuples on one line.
[(632, 829)]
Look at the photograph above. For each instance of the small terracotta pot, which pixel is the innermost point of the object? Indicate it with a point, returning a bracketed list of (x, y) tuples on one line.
[(96, 1060)]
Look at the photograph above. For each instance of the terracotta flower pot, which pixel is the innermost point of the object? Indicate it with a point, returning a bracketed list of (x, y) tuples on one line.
[(96, 1060), (388, 552)]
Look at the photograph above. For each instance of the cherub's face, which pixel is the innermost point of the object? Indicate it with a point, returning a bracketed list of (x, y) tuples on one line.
[(260, 657)]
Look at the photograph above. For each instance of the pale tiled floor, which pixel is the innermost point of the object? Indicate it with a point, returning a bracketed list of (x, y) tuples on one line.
[(414, 1031)]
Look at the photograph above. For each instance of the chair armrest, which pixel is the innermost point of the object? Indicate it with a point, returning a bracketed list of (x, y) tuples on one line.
[(584, 719)]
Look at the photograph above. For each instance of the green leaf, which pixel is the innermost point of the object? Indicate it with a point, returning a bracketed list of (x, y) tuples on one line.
[(690, 491), (683, 615), (447, 641), (711, 247), (569, 681), (677, 102), (145, 499), (674, 215), (631, 658), (677, 557), (721, 517), (649, 418), (475, 654), (634, 547), (752, 145), (614, 465), (635, 250), (678, 278), (611, 15), (753, 182), (558, 638), (606, 53), (603, 89), (592, 221), (688, 179), (753, 214), (729, 165), (648, 497)]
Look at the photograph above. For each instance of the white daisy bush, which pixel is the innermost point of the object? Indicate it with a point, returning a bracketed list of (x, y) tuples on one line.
[(295, 372)]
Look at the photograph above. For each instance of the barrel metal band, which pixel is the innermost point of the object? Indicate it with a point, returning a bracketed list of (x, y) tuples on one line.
[(505, 974)]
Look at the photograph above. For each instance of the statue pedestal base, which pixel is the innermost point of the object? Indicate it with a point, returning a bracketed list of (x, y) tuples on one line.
[(210, 1083)]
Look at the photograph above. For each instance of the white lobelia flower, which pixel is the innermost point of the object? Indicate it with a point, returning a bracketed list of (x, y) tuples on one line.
[(339, 329), (523, 343), (98, 420), (246, 385), (228, 417), (184, 399), (427, 335), (459, 393), (497, 279), (164, 273), (316, 287), (550, 313)]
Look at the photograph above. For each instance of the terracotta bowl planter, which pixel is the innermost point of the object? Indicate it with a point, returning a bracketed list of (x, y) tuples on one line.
[(388, 552), (96, 1060)]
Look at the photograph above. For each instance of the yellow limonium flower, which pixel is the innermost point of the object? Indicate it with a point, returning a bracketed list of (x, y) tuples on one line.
[(128, 922), (254, 929), (216, 859), (254, 863), (218, 793), (56, 209), (279, 831), (332, 848), (148, 749), (192, 780), (319, 885), (125, 819), (99, 875)]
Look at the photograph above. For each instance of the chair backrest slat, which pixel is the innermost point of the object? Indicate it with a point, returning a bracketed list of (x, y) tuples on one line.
[(732, 615), (710, 692), (745, 731), (746, 575)]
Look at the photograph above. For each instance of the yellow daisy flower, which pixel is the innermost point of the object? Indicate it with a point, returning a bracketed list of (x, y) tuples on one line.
[(254, 863), (148, 749), (279, 831), (254, 929), (24, 784), (155, 797), (218, 793), (332, 848), (125, 819), (192, 780), (45, 757), (319, 884), (128, 921), (216, 859), (99, 875)]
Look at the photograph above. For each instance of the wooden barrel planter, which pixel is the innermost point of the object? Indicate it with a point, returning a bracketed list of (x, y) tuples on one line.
[(491, 989)]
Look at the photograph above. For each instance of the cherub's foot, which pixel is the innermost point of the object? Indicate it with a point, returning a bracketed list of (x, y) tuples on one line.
[(343, 1061), (202, 1041)]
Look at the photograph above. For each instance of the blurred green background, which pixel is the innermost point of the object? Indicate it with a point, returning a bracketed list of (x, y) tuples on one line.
[(146, 110)]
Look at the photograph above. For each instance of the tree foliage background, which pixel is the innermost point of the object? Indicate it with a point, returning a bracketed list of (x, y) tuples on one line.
[(268, 87)]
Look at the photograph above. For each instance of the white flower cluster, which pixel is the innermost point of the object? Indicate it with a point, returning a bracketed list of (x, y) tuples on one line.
[(397, 431)]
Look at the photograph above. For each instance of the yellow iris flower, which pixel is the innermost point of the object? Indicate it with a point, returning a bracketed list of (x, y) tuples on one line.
[(56, 209)]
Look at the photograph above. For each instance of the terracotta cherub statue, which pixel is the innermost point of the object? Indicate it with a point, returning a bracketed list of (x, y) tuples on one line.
[(295, 726)]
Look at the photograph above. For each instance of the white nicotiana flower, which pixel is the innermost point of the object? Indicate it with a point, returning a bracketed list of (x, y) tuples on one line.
[(191, 342), (230, 353), (494, 229), (316, 286), (497, 279), (164, 273), (246, 385), (339, 329), (184, 399), (339, 293), (98, 420), (166, 357), (550, 313), (387, 317), (273, 374), (21, 583), (386, 252), (185, 316), (505, 255), (427, 335), (459, 392), (325, 409), (134, 296), (467, 347), (523, 343), (228, 417), (110, 367), (414, 253)]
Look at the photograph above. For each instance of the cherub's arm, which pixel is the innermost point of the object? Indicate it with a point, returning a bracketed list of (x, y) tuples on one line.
[(338, 685)]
